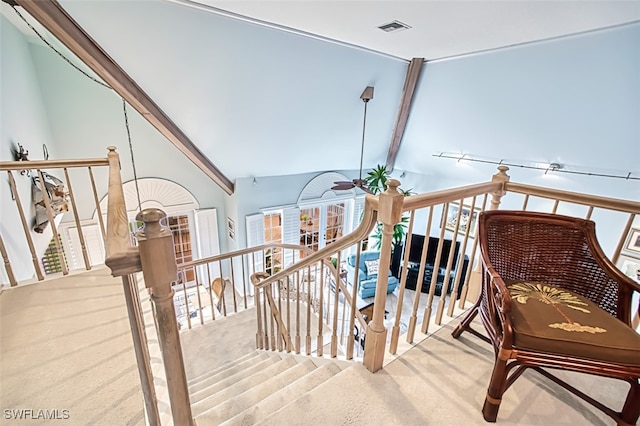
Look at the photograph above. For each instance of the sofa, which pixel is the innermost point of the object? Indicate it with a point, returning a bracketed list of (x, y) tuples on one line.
[(368, 274)]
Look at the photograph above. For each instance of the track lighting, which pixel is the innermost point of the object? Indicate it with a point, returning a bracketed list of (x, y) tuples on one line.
[(552, 167)]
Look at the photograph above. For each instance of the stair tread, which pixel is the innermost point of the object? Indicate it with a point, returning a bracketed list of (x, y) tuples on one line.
[(231, 388), (285, 395), (293, 407), (226, 378), (231, 406), (225, 339), (242, 360)]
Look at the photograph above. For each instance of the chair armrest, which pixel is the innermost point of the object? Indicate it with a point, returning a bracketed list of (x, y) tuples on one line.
[(496, 307), (626, 286), (501, 294)]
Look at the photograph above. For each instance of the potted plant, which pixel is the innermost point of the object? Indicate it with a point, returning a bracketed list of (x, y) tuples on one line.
[(304, 218), (377, 180), (377, 183)]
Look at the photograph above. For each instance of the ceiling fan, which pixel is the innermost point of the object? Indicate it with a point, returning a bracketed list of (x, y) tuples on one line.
[(366, 96)]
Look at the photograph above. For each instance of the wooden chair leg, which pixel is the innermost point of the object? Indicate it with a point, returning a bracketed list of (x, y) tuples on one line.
[(631, 409), (497, 385), (464, 324)]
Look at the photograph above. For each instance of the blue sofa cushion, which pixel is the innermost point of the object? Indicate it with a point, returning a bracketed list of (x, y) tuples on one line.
[(367, 281), (365, 257)]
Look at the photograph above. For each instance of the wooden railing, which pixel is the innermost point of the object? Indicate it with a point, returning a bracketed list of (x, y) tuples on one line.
[(219, 285), (309, 306), (444, 215), (315, 292), (33, 179)]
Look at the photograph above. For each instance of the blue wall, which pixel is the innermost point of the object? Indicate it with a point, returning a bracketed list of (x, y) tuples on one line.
[(23, 120), (574, 100)]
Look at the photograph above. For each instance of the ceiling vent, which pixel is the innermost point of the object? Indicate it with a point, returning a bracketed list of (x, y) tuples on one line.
[(394, 26)]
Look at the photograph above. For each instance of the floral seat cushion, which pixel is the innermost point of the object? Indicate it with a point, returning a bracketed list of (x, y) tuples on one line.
[(558, 321)]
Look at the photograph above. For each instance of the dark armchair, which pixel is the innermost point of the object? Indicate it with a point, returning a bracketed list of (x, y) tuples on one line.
[(550, 299)]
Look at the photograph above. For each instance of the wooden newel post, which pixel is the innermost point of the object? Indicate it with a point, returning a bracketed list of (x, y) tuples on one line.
[(475, 280), (160, 270), (389, 213), (496, 196)]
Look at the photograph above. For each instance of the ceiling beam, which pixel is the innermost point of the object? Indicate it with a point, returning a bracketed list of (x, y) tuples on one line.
[(410, 83), (56, 20)]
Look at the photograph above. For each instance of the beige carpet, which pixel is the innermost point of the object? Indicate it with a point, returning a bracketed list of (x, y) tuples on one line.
[(443, 381), (66, 345)]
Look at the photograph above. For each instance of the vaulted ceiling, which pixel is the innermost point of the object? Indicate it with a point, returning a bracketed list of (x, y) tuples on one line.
[(266, 88), (438, 29)]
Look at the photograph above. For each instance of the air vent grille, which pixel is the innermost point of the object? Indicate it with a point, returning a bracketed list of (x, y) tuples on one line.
[(394, 26)]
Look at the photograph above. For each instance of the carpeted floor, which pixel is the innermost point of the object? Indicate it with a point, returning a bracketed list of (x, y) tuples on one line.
[(442, 381), (66, 347)]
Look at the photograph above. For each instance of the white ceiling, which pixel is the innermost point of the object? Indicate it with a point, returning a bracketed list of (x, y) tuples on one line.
[(439, 29), (264, 102)]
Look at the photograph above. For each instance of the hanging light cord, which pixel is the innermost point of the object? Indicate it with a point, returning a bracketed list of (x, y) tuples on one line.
[(364, 124), (58, 52), (124, 103), (133, 162)]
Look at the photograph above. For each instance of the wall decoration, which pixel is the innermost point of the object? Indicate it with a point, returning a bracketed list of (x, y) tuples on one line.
[(632, 245), (468, 219), (231, 225), (630, 267)]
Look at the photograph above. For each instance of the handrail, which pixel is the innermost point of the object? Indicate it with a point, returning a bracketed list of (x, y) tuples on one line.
[(575, 197), (122, 258), (52, 164), (497, 188), (254, 249), (35, 170), (255, 278), (361, 232), (124, 261), (424, 200), (249, 250)]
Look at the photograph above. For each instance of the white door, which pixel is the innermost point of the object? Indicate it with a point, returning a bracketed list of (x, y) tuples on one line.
[(93, 243), (322, 224)]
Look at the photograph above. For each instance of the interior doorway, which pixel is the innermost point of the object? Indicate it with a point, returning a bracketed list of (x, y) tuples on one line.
[(321, 224)]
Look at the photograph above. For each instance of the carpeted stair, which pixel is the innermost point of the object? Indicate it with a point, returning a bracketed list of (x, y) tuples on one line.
[(230, 382), (253, 387)]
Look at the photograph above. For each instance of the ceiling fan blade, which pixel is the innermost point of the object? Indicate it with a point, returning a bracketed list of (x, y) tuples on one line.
[(362, 184), (343, 185)]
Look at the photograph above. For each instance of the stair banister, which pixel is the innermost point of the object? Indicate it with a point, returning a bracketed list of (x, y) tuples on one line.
[(160, 271), (389, 213), (496, 196), (121, 257), (124, 262), (360, 233)]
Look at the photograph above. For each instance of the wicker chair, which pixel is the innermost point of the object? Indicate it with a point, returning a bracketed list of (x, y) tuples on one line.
[(550, 299)]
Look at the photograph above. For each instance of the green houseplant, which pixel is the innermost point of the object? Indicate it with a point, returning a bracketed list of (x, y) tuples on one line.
[(377, 183)]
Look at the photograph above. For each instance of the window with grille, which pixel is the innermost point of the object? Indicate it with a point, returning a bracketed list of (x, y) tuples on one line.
[(179, 226), (273, 234), (51, 259)]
